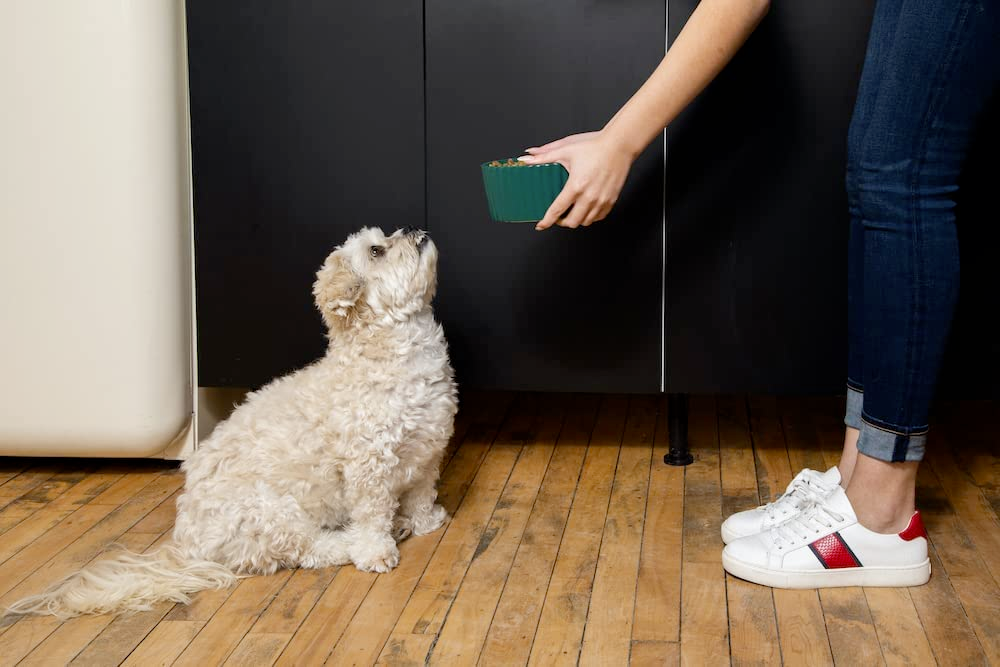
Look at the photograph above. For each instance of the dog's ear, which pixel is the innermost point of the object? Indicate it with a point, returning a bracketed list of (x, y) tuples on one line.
[(337, 290)]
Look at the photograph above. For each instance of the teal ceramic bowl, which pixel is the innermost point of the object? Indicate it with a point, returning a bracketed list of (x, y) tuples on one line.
[(521, 193)]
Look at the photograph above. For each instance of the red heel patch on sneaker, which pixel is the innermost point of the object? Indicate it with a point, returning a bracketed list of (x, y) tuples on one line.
[(915, 528), (834, 553)]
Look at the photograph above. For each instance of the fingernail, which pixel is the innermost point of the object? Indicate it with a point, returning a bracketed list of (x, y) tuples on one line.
[(525, 158)]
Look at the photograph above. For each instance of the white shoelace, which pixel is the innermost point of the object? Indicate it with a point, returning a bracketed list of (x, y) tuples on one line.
[(815, 519), (806, 489)]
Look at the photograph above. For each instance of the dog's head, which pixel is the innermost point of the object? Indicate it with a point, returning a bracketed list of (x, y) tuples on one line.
[(372, 277)]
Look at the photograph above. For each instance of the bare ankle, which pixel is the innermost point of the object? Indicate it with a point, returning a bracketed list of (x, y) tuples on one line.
[(885, 520), (849, 457), (883, 494)]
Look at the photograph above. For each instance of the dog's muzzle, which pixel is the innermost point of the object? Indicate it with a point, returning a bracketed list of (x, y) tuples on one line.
[(421, 236)]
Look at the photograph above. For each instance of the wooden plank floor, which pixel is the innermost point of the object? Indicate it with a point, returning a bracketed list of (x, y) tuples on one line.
[(570, 543)]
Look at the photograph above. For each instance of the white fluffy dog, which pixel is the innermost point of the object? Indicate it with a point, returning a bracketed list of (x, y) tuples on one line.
[(329, 465)]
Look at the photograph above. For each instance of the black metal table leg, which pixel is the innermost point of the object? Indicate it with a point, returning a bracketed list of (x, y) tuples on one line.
[(677, 424)]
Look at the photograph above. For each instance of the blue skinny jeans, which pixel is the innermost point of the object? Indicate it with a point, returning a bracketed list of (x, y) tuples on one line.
[(930, 68)]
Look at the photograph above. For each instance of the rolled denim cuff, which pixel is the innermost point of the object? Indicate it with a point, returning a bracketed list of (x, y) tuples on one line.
[(855, 404), (890, 444)]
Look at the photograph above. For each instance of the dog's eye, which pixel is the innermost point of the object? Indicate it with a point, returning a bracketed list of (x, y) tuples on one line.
[(376, 251)]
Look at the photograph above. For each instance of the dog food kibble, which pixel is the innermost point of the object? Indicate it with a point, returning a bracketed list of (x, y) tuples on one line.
[(509, 162)]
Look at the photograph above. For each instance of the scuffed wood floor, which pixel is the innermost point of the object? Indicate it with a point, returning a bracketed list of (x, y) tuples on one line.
[(570, 543)]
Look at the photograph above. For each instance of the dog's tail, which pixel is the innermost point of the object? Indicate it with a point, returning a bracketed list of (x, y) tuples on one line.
[(127, 582)]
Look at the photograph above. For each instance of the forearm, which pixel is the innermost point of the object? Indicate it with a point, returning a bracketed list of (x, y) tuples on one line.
[(712, 36)]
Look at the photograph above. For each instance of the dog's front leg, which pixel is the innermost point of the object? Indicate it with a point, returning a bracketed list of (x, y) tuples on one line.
[(419, 511), (372, 505)]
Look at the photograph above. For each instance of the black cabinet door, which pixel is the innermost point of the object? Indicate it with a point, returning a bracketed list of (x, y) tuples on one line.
[(307, 123), (756, 208), (560, 310), (972, 361)]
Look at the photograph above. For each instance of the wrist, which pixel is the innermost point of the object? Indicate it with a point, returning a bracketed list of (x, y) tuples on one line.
[(619, 139)]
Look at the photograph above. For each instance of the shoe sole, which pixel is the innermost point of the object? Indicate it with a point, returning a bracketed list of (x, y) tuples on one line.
[(896, 577)]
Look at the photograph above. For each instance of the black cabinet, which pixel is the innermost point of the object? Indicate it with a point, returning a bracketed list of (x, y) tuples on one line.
[(972, 361), (559, 310), (756, 217), (312, 119), (307, 123), (756, 208)]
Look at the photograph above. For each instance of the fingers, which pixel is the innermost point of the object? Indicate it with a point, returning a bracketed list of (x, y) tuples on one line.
[(593, 186), (593, 216), (576, 207), (560, 206), (577, 217), (586, 211), (599, 213), (554, 155)]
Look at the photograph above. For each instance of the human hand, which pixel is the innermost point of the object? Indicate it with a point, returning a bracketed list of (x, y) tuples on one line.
[(597, 168)]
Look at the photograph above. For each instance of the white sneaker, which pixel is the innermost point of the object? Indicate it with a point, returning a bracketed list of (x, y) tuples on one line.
[(808, 487), (825, 546)]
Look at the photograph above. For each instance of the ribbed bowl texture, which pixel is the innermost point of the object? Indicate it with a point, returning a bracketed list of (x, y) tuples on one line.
[(522, 193)]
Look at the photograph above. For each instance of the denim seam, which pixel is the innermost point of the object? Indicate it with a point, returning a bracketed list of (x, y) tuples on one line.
[(886, 429), (863, 214), (915, 343)]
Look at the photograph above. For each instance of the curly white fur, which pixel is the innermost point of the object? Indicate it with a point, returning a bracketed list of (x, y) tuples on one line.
[(329, 465)]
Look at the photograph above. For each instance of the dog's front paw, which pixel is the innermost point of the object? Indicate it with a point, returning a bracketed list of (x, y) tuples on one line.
[(431, 521), (380, 555)]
